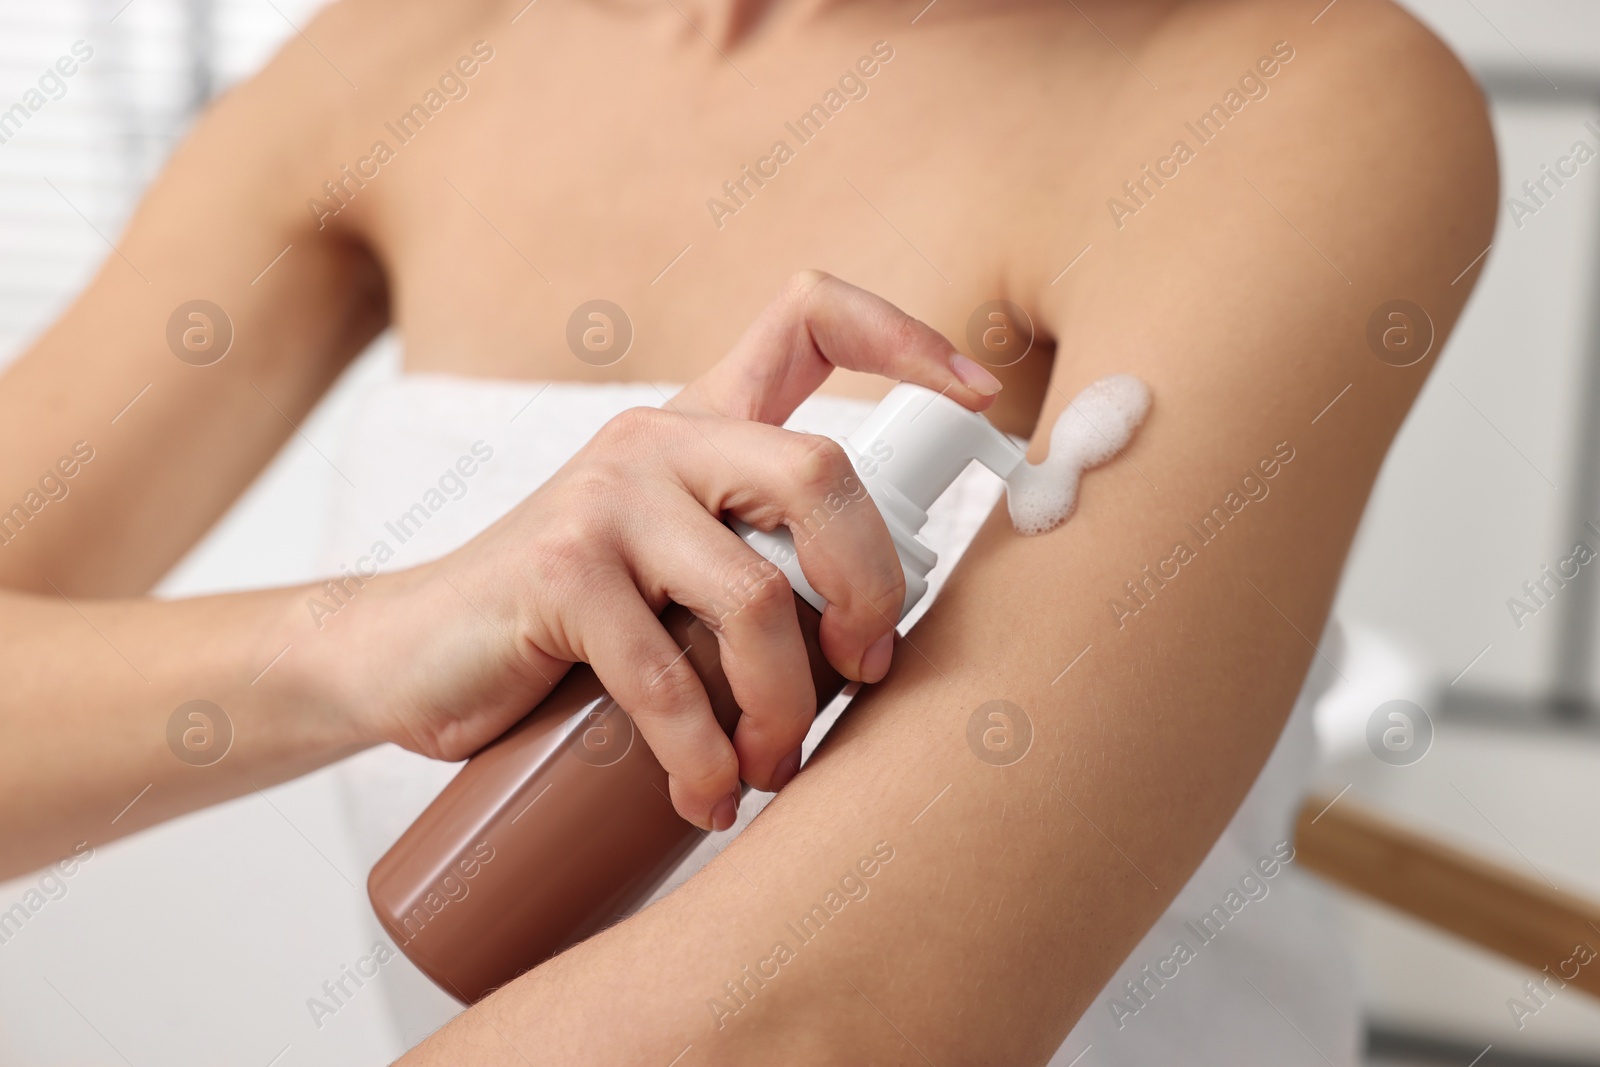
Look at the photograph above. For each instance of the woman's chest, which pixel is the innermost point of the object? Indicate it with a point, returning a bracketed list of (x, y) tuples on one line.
[(624, 212)]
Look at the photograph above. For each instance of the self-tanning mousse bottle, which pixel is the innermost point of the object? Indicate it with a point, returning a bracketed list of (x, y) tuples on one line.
[(563, 824)]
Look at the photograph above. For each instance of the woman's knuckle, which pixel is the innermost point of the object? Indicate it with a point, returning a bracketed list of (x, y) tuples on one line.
[(802, 283), (593, 483), (749, 592), (669, 683), (564, 555), (594, 496), (631, 426), (901, 331), (820, 462), (765, 592)]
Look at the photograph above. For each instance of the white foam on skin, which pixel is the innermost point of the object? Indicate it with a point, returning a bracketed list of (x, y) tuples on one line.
[(1097, 425)]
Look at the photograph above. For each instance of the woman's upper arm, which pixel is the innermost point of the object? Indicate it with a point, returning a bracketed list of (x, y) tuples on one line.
[(125, 374), (1241, 294)]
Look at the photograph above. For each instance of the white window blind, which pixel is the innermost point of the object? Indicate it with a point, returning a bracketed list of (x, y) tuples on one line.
[(76, 151)]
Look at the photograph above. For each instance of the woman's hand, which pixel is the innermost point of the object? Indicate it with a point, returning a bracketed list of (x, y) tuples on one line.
[(456, 651)]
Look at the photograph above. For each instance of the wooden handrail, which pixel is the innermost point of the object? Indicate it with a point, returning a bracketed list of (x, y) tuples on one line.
[(1502, 910)]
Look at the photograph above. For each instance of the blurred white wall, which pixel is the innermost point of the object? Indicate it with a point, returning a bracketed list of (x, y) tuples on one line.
[(1473, 500)]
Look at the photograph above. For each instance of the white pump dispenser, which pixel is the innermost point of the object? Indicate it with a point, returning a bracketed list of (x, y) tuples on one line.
[(907, 452)]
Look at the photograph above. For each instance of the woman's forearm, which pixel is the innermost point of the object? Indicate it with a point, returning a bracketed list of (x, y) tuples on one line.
[(118, 714)]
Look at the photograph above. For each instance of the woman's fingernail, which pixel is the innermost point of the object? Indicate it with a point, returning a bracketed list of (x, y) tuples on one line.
[(785, 770), (974, 376), (726, 811), (875, 664)]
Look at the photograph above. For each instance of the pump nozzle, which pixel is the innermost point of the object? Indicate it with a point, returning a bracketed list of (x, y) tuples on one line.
[(907, 452), (923, 441)]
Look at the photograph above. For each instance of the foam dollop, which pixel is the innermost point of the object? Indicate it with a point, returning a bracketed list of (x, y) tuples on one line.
[(1098, 424)]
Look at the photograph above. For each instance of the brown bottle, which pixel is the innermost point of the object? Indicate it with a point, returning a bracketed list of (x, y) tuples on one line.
[(552, 832), (563, 825)]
